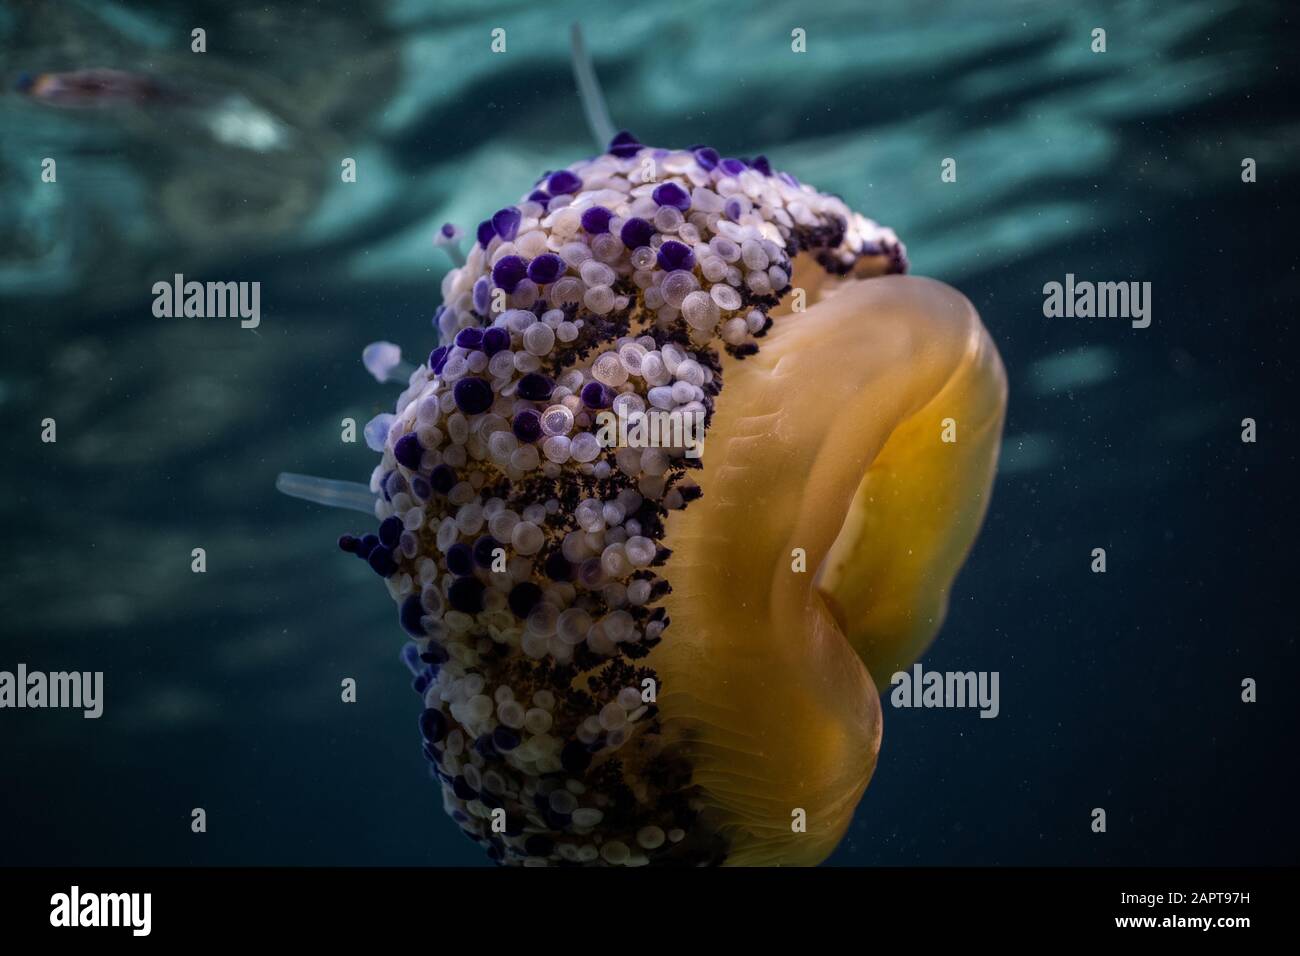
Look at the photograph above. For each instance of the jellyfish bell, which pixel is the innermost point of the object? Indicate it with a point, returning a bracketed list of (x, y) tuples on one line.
[(828, 440), (619, 661)]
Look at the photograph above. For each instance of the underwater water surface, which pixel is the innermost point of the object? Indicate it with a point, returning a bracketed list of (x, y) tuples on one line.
[(1119, 690)]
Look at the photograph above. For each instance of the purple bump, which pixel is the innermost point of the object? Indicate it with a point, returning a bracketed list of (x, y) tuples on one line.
[(442, 479), (390, 529), (732, 167), (466, 594), (381, 562), (408, 452), (509, 272), (546, 268), (410, 614), (460, 559), (535, 387), (495, 340), (394, 484), (473, 396), (596, 395), (707, 157), (676, 255), (506, 222), (540, 196), (624, 145), (528, 426), (596, 220), (470, 338), (636, 233), (763, 166), (435, 653), (483, 549), (558, 567), (733, 209), (563, 182), (438, 358), (433, 725), (448, 230), (671, 194), (482, 295), (524, 596), (485, 233)]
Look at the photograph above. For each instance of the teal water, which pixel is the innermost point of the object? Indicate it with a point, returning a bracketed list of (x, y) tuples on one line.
[(223, 688)]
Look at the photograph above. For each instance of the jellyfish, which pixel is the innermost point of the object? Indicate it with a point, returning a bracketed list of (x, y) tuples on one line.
[(627, 655)]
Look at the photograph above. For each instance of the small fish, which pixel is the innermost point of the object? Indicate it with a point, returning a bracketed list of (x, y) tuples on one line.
[(93, 89)]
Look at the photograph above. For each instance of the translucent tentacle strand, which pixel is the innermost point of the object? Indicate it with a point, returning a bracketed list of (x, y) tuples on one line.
[(593, 100), (350, 495)]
